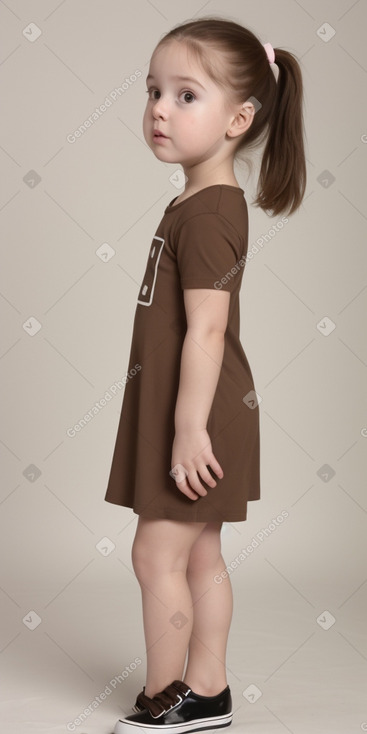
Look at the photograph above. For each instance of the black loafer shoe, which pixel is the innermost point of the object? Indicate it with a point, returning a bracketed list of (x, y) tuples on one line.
[(178, 710)]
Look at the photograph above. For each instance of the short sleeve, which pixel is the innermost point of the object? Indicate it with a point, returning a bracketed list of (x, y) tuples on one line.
[(209, 253)]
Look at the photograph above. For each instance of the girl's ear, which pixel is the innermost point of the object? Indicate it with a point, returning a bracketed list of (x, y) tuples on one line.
[(243, 120)]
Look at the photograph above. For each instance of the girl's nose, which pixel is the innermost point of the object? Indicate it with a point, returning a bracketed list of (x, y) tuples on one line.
[(160, 109)]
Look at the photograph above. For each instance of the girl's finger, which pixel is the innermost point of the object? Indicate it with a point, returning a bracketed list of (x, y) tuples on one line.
[(206, 476), (217, 469), (186, 489), (195, 483)]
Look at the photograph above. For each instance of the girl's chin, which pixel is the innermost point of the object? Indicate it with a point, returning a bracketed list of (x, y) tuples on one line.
[(163, 154)]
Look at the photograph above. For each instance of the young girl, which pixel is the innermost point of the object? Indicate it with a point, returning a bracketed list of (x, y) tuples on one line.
[(187, 452)]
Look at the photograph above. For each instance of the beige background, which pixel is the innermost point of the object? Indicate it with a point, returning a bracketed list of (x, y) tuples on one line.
[(300, 596)]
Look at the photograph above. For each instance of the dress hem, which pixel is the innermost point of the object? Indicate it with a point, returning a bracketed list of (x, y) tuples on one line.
[(176, 516)]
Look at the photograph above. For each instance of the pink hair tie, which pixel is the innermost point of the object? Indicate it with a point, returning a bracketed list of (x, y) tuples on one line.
[(270, 52)]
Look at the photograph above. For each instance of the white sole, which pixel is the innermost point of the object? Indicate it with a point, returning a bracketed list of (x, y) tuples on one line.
[(215, 722)]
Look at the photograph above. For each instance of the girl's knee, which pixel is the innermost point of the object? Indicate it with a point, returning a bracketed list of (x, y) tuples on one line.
[(206, 552), (144, 561), (162, 547), (150, 563)]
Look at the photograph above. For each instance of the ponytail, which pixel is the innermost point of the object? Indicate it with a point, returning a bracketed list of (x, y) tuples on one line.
[(282, 179)]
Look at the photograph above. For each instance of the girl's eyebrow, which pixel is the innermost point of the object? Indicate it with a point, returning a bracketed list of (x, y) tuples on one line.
[(181, 79)]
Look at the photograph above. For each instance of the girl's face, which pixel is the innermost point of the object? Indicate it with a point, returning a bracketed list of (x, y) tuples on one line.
[(193, 114)]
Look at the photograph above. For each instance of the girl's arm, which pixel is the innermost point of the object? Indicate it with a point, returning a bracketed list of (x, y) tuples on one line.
[(201, 361)]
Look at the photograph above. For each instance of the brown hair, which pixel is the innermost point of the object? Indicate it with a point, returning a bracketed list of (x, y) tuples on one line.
[(278, 120)]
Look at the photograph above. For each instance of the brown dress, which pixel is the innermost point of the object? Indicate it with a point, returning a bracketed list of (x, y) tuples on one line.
[(200, 243)]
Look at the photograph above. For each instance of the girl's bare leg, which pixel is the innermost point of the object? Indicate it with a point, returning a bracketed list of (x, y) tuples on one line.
[(212, 614), (160, 555)]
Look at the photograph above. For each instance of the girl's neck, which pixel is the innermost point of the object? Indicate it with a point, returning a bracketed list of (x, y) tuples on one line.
[(216, 170), (194, 187)]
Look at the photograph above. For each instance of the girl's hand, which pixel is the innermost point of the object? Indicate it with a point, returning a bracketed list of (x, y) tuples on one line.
[(191, 455)]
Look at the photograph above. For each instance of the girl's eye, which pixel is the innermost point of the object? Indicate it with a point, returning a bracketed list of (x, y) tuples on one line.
[(189, 94), (150, 91)]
